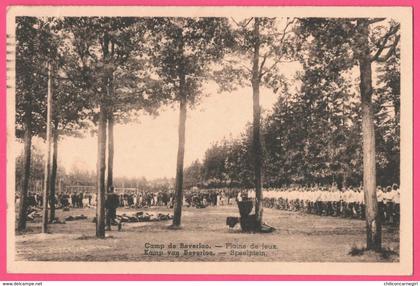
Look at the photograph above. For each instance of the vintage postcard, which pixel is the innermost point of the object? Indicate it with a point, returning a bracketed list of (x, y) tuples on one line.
[(210, 140)]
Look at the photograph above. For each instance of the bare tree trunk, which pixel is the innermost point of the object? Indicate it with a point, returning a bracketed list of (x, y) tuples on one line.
[(256, 137), (23, 207), (101, 160), (180, 158), (53, 174), (373, 221), (47, 171), (110, 176), (100, 168)]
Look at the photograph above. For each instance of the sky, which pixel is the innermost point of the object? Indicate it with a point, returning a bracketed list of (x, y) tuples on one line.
[(149, 148)]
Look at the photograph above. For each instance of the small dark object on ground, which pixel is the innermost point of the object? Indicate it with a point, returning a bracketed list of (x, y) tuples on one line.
[(84, 237), (174, 227), (80, 217), (355, 251), (245, 207), (139, 217), (249, 222), (385, 253), (57, 221), (265, 228), (231, 221), (77, 217)]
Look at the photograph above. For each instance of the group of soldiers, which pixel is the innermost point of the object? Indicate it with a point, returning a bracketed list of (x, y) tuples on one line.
[(75, 200), (203, 198), (145, 199), (331, 201), (318, 200), (32, 200), (62, 200), (192, 198), (88, 199)]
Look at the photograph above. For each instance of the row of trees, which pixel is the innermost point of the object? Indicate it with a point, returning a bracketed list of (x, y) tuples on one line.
[(101, 70), (312, 136), (104, 70)]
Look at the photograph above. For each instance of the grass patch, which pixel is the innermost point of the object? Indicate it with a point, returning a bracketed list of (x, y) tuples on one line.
[(356, 251), (384, 253), (88, 237), (330, 239)]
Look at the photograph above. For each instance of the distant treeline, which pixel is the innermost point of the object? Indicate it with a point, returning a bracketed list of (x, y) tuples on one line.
[(77, 177)]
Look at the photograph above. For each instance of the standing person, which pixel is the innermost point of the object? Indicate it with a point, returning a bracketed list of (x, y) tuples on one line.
[(171, 200), (111, 205), (74, 200), (80, 199), (361, 203), (396, 203), (135, 200), (155, 199), (380, 199), (388, 206)]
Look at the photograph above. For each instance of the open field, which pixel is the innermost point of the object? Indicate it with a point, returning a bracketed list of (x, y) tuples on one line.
[(298, 238)]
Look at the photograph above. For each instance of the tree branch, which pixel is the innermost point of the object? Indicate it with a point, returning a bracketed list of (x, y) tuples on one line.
[(382, 44), (243, 25), (375, 20), (288, 23), (274, 64), (285, 29), (390, 51), (262, 65), (235, 62)]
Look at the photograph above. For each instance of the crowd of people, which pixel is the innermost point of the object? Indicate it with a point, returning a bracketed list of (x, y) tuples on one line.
[(331, 201), (75, 200), (33, 200), (317, 200), (145, 199), (62, 200)]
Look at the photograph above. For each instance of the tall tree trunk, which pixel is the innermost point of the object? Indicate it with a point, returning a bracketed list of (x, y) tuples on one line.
[(47, 171), (373, 221), (100, 168), (53, 174), (256, 137), (110, 176), (101, 160), (23, 207), (180, 158)]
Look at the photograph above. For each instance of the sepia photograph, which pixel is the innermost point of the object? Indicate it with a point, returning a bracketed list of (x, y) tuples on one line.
[(188, 139)]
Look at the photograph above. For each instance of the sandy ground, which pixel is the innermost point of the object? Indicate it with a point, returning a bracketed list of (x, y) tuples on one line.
[(204, 237)]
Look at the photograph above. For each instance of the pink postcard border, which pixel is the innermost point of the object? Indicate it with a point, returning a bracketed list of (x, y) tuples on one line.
[(4, 276)]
